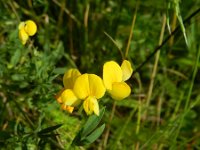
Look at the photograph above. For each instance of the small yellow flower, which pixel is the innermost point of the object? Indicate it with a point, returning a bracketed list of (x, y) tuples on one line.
[(66, 96), (114, 77), (30, 27), (23, 36), (63, 106), (89, 87), (26, 29)]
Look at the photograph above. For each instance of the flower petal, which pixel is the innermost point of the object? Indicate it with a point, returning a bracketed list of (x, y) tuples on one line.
[(21, 25), (89, 85), (111, 73), (30, 27), (67, 108), (81, 87), (96, 86), (91, 105), (120, 90), (127, 70), (68, 98), (70, 77), (23, 36)]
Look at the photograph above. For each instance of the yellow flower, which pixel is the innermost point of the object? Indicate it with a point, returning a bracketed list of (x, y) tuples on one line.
[(23, 36), (89, 87), (114, 77), (30, 27), (66, 96), (26, 29), (63, 106)]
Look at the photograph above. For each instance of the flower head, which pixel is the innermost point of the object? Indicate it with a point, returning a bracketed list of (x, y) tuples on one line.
[(26, 29), (66, 96), (114, 77), (89, 87)]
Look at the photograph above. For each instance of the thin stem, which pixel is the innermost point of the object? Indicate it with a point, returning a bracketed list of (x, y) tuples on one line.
[(186, 108), (173, 26), (139, 117), (149, 94), (177, 106), (192, 82), (137, 145), (67, 12), (159, 106), (14, 10), (86, 15), (25, 115), (165, 41), (120, 51), (108, 126), (124, 127), (131, 31), (60, 19)]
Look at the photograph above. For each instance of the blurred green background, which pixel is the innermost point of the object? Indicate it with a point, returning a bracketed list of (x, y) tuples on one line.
[(86, 34)]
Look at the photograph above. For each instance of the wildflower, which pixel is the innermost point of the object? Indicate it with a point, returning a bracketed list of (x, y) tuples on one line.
[(89, 87), (114, 77), (26, 29), (66, 96)]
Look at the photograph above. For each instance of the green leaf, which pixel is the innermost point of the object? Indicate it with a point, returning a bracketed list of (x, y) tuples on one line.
[(94, 135), (85, 134), (47, 135), (49, 129), (92, 123), (15, 58), (178, 14)]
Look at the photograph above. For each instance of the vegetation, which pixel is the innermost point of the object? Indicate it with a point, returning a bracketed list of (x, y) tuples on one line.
[(159, 38)]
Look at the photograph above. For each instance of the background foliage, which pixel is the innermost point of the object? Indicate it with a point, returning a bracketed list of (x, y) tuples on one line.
[(85, 34)]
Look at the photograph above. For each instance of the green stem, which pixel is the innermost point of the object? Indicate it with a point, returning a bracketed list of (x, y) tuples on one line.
[(186, 108), (154, 71), (138, 118), (124, 128), (131, 32), (192, 82)]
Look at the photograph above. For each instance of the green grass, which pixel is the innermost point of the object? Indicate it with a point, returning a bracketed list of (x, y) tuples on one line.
[(161, 112)]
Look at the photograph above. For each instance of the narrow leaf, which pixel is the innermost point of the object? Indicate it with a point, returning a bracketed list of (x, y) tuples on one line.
[(178, 13), (47, 135), (49, 129), (92, 123), (94, 135)]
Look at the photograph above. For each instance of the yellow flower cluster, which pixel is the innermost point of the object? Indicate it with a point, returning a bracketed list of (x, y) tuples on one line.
[(26, 29), (88, 88)]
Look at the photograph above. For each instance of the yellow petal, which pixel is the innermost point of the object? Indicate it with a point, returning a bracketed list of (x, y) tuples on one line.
[(21, 25), (96, 86), (81, 87), (68, 98), (70, 77), (91, 105), (112, 72), (23, 36), (120, 90), (127, 70), (30, 27), (89, 85)]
